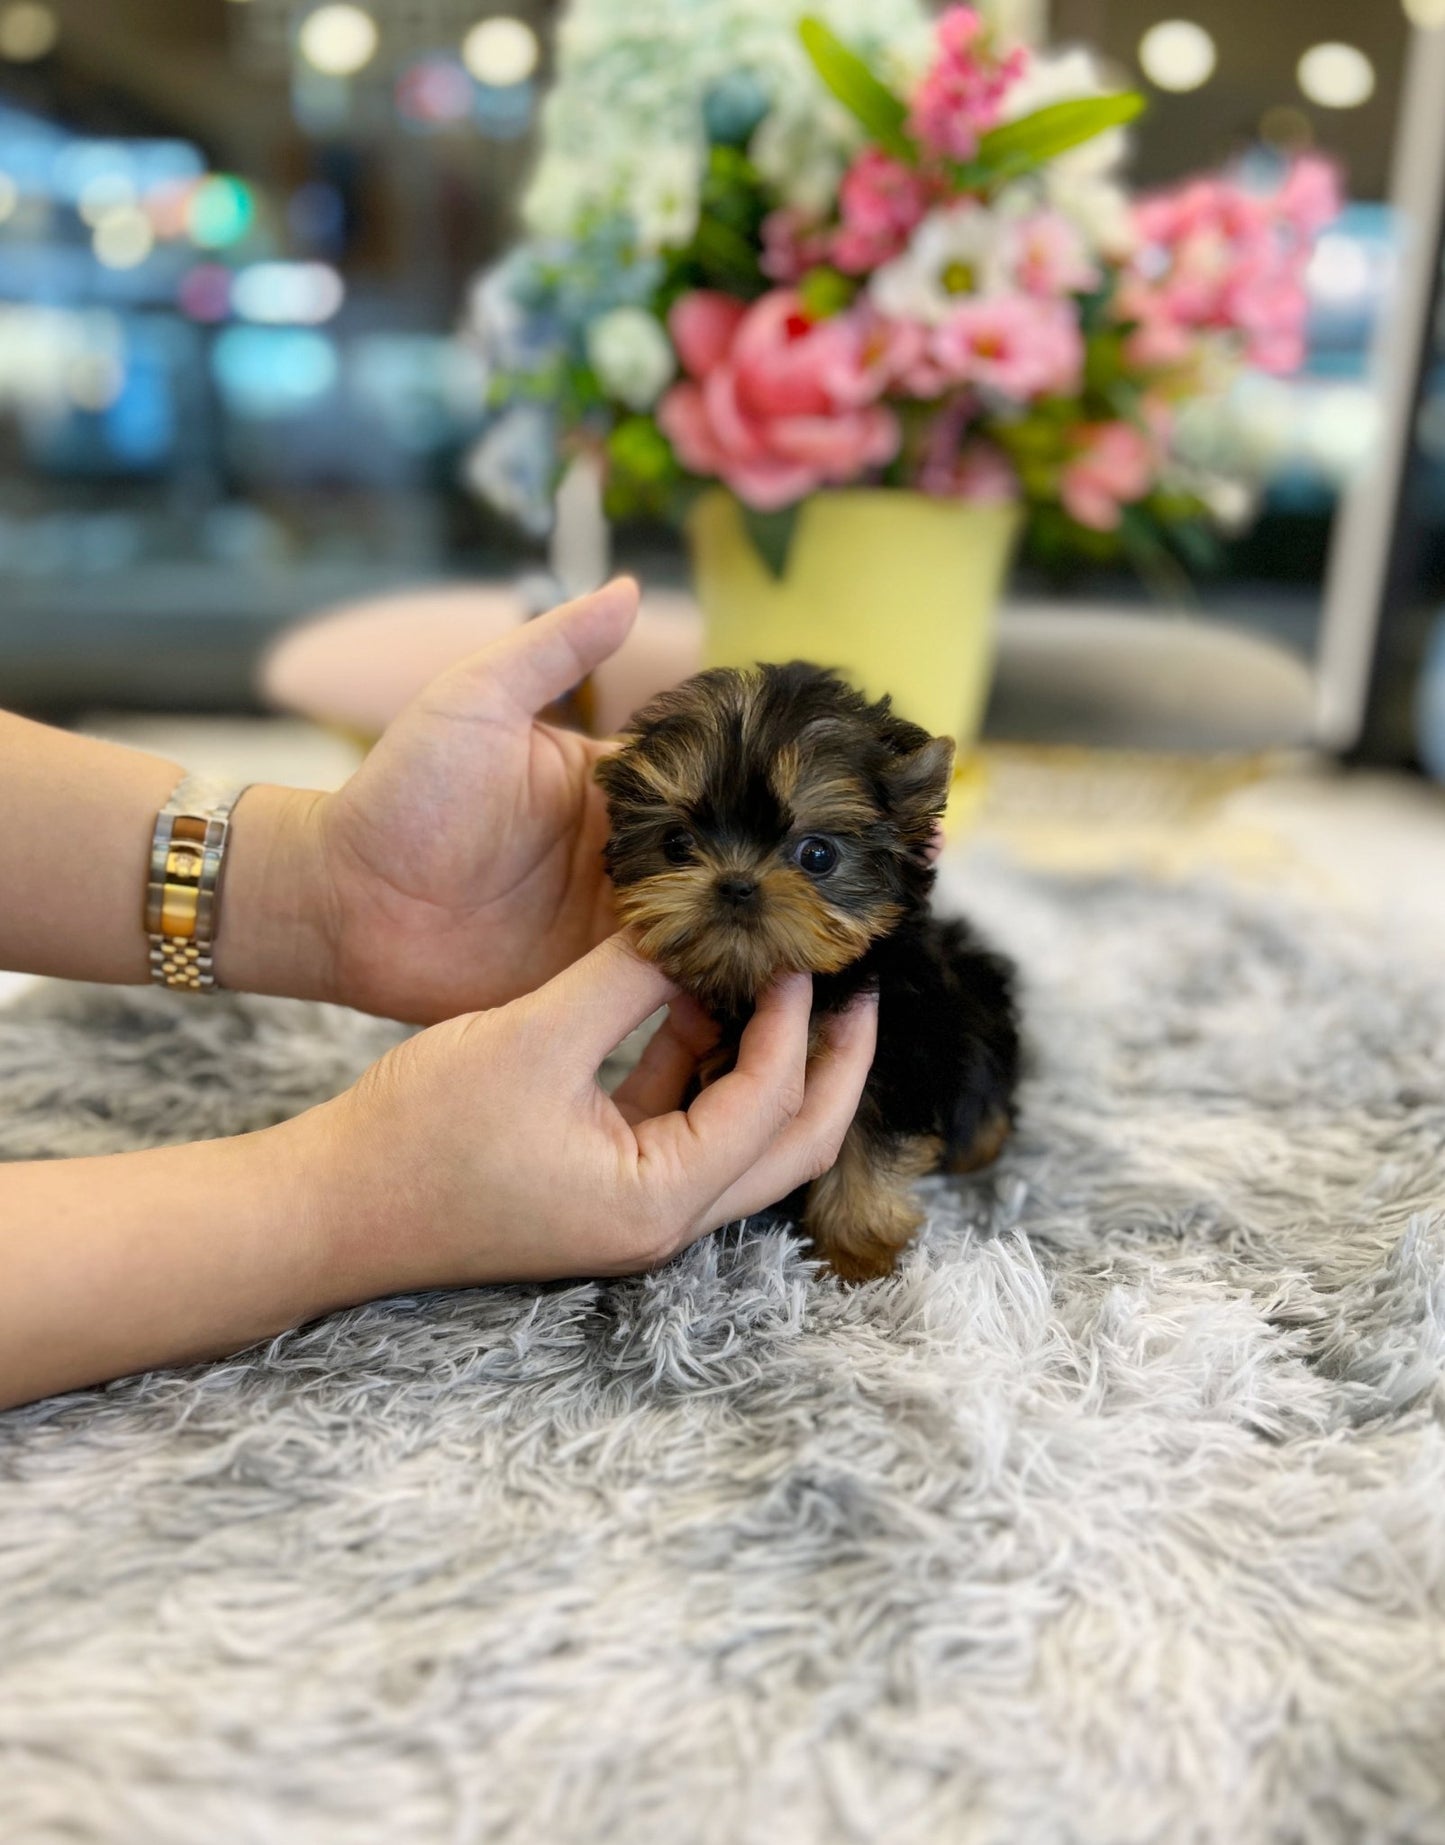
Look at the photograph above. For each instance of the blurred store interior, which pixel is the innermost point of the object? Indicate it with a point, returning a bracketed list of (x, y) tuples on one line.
[(236, 239)]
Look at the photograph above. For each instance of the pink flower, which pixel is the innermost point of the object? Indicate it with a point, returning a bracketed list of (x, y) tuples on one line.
[(961, 95), (1159, 339), (1048, 256), (1115, 466), (1215, 258), (792, 244), (880, 201), (775, 403), (1311, 196), (1017, 345)]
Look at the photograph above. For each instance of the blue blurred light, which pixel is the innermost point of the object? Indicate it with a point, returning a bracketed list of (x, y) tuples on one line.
[(316, 213), (140, 426), (505, 114), (265, 372)]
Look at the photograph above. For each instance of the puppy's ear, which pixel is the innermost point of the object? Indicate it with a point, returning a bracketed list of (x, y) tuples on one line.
[(918, 782)]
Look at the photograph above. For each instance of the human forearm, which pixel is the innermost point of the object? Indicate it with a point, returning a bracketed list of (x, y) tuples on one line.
[(75, 834), (121, 1263)]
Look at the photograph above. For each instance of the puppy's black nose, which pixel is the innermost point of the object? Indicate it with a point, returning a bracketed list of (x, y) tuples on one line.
[(736, 890)]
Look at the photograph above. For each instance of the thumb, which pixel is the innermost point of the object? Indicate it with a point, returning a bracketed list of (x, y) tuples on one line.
[(599, 999), (541, 660)]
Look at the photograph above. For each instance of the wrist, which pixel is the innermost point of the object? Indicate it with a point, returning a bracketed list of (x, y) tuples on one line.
[(362, 1206), (277, 930)]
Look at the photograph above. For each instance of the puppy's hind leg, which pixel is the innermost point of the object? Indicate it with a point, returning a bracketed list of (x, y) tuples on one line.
[(862, 1213)]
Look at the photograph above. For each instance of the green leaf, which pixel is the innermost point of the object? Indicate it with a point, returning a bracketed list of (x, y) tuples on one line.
[(870, 102), (825, 292), (1031, 141), (1156, 564), (726, 258), (772, 534)]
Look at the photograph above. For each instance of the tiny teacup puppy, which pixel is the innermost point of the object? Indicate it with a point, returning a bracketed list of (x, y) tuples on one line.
[(771, 821)]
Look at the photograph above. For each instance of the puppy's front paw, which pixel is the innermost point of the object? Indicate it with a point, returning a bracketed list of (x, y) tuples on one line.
[(863, 1213)]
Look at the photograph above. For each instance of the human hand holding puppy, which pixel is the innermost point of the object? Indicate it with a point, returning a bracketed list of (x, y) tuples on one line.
[(461, 865), (481, 1150)]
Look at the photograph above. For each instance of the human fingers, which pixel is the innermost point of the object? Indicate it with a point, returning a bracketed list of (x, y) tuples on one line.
[(590, 1007), (669, 1062), (691, 1159), (809, 1145), (539, 661)]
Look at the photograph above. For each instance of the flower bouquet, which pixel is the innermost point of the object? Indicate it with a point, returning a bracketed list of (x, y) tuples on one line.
[(918, 278)]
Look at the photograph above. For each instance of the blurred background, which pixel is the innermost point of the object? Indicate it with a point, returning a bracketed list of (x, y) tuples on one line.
[(236, 243)]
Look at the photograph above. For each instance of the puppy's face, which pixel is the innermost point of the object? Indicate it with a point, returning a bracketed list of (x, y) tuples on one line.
[(766, 822)]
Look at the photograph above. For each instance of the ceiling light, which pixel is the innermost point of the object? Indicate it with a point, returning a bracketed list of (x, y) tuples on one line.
[(1177, 55), (338, 40), (1336, 76), (501, 51), (27, 31)]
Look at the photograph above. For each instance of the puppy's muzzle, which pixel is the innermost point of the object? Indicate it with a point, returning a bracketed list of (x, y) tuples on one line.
[(737, 893)]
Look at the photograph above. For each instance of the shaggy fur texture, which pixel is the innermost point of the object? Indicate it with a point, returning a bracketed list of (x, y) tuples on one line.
[(774, 820), (1117, 1514)]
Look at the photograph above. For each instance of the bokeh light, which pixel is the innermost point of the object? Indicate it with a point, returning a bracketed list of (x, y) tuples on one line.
[(9, 196), (205, 293), (95, 380), (1177, 55), (338, 40), (1427, 14), (220, 212), (316, 214), (168, 207), (123, 238), (301, 294), (434, 92), (28, 31), (109, 191), (501, 51), (505, 114), (1336, 76), (266, 372)]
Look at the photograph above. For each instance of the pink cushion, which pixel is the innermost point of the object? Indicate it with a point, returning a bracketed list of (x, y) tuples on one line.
[(356, 666)]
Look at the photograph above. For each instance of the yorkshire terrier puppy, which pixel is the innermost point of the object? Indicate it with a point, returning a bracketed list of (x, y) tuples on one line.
[(774, 820)]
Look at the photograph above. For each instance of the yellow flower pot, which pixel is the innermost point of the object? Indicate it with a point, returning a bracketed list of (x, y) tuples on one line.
[(896, 590)]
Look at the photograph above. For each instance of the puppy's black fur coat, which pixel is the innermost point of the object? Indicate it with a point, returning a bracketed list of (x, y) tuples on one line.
[(776, 820)]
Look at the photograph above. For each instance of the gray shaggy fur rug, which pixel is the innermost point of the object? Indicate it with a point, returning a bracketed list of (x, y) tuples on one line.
[(1118, 1515)]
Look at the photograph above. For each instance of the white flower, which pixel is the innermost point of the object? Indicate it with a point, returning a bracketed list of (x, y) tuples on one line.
[(631, 355), (662, 197), (956, 250), (632, 76), (1080, 183), (802, 153), (514, 465)]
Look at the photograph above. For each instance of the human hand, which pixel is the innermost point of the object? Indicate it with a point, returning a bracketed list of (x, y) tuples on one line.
[(464, 857), (461, 865), (484, 1150)]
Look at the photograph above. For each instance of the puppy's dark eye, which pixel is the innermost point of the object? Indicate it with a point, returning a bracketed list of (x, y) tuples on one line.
[(677, 846), (816, 856)]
